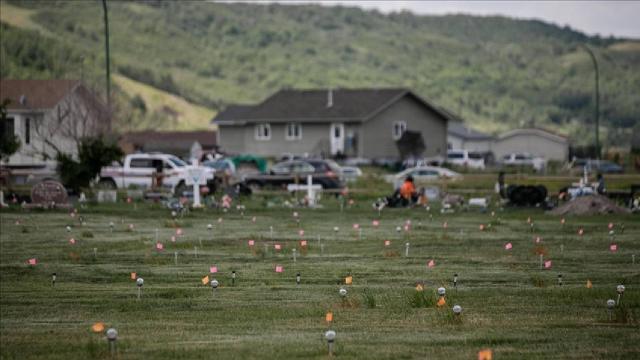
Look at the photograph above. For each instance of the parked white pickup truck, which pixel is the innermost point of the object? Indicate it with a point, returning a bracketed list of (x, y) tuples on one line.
[(147, 170)]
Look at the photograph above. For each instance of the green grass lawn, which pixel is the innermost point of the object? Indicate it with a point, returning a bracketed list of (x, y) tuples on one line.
[(509, 304)]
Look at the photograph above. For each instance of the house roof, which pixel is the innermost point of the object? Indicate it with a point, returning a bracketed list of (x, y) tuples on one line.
[(35, 94), (457, 128), (534, 132), (233, 112), (319, 105), (170, 139)]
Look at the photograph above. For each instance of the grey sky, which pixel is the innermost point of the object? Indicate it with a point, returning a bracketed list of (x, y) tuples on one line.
[(618, 18)]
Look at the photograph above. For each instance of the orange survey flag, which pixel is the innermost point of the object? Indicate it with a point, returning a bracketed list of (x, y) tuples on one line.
[(329, 317), (348, 280), (485, 354), (205, 280), (133, 276), (97, 327), (441, 302), (589, 284)]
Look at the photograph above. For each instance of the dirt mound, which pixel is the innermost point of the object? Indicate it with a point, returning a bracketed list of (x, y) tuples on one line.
[(589, 205)]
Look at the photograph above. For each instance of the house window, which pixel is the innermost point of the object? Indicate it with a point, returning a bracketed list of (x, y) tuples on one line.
[(27, 131), (6, 127), (263, 132), (293, 131), (399, 127)]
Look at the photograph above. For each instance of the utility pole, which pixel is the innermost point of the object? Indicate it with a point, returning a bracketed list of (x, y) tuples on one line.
[(106, 46), (597, 110)]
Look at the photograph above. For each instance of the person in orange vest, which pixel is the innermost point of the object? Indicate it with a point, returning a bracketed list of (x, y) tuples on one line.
[(408, 191)]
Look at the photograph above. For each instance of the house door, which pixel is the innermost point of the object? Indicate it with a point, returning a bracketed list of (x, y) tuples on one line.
[(337, 138)]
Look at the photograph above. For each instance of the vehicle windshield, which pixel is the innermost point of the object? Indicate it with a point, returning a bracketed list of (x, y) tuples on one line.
[(177, 162), (218, 165), (455, 155), (475, 156)]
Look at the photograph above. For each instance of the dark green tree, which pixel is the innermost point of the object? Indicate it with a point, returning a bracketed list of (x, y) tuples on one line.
[(93, 154)]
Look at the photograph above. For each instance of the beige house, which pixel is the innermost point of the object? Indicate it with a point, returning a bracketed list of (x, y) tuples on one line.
[(536, 142), (50, 116), (362, 123)]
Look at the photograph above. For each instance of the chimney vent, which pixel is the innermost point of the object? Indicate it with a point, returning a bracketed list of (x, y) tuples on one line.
[(330, 98)]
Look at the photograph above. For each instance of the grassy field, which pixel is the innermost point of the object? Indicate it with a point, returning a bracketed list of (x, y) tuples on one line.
[(509, 304)]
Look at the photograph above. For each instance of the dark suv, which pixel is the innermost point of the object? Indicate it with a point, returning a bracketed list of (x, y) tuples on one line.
[(323, 172)]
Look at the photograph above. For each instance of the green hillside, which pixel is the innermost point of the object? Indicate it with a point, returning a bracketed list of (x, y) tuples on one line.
[(497, 73)]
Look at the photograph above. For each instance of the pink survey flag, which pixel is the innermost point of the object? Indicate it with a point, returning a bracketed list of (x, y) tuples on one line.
[(303, 243), (375, 223), (610, 225), (613, 247), (295, 214), (179, 231), (32, 261), (356, 226), (173, 239), (445, 225), (547, 264), (581, 232), (72, 214), (431, 263), (279, 268), (387, 242), (159, 246), (301, 232), (508, 246), (538, 239), (481, 227), (277, 246), (407, 227), (213, 269), (252, 242), (131, 226), (72, 241)]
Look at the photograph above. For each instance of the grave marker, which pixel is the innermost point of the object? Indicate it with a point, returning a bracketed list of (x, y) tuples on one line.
[(49, 194)]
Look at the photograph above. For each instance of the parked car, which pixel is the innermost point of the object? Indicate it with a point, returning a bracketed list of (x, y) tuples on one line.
[(525, 160), (221, 166), (350, 173), (465, 158), (423, 174), (597, 166), (323, 172), (141, 170)]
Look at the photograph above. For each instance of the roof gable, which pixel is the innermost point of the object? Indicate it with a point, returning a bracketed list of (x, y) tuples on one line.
[(319, 105), (534, 132), (35, 94)]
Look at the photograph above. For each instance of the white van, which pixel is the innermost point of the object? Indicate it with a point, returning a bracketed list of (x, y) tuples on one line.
[(465, 158)]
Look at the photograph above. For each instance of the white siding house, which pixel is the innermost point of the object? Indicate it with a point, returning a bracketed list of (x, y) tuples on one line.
[(49, 116)]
